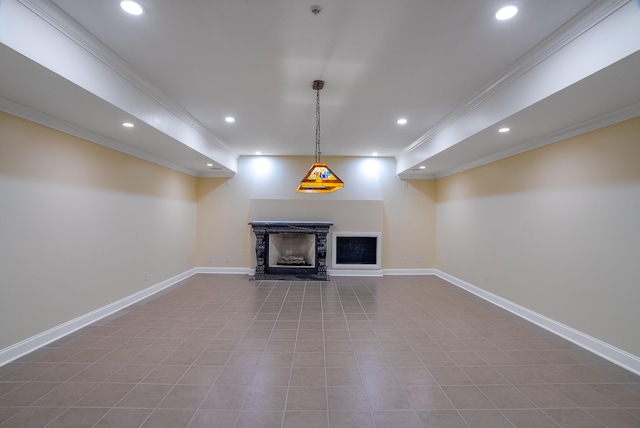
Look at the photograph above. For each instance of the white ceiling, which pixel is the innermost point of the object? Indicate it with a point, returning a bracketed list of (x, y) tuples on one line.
[(456, 74)]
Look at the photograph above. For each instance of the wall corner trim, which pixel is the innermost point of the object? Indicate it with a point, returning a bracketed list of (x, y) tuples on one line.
[(615, 355)]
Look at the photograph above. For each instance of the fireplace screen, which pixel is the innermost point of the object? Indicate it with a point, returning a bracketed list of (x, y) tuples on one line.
[(292, 250), (357, 250)]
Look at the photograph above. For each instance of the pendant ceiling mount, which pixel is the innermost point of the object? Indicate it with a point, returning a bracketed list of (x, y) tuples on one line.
[(319, 179)]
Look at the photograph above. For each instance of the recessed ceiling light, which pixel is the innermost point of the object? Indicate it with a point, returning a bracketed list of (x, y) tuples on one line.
[(209, 164), (401, 121), (422, 167), (131, 7), (506, 12), (229, 119), (258, 153), (128, 124), (503, 130), (374, 154)]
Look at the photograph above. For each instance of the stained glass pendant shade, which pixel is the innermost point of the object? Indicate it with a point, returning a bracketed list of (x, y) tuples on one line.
[(319, 179)]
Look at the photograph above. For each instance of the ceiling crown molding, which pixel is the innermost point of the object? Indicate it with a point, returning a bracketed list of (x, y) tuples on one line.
[(77, 131), (63, 23), (572, 131), (592, 15)]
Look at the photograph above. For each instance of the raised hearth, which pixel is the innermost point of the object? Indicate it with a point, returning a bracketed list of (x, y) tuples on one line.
[(291, 250)]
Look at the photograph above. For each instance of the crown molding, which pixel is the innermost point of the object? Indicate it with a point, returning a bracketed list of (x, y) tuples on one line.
[(77, 131), (58, 19), (588, 18), (554, 137)]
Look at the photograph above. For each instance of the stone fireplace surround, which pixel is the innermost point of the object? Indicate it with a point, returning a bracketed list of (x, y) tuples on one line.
[(278, 240)]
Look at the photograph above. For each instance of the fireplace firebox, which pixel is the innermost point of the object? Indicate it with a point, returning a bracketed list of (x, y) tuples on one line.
[(291, 250)]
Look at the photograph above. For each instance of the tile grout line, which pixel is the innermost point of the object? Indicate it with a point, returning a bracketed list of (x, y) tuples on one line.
[(270, 335), (366, 393), (324, 351), (286, 399)]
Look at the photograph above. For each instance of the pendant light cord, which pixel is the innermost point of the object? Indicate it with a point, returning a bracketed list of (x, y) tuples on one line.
[(318, 126)]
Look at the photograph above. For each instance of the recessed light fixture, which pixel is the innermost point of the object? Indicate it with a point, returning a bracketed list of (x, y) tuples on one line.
[(229, 119), (128, 124), (131, 7), (374, 154), (506, 12), (422, 167), (503, 130), (258, 153), (209, 164), (401, 121)]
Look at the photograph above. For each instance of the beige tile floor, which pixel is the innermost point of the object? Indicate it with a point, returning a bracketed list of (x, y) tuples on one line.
[(224, 351)]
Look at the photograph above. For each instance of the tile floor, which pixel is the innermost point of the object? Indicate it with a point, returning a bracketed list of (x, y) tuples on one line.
[(223, 351)]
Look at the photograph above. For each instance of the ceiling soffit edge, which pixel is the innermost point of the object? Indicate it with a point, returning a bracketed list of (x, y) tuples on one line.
[(410, 175), (554, 137), (59, 20), (595, 13), (44, 119)]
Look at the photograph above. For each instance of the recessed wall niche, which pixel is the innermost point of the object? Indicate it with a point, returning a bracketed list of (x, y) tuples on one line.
[(356, 250)]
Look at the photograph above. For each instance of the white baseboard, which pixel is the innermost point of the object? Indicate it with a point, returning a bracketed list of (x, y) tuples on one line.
[(422, 271), (226, 270), (39, 340), (354, 272), (611, 353)]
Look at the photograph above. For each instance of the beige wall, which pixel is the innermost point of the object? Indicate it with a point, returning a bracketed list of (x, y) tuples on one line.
[(82, 224), (373, 200), (556, 230), (79, 226)]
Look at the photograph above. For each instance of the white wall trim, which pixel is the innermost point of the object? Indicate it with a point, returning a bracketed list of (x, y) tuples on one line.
[(355, 272), (111, 78), (573, 29), (424, 271), (611, 353), (226, 270), (71, 129), (334, 253), (39, 340), (597, 122), (571, 43)]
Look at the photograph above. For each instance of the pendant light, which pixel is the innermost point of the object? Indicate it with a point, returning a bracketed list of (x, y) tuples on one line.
[(319, 179)]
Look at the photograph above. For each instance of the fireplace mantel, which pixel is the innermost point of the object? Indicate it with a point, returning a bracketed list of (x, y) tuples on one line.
[(312, 271)]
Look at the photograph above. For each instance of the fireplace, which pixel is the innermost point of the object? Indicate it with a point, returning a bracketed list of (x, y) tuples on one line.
[(291, 250)]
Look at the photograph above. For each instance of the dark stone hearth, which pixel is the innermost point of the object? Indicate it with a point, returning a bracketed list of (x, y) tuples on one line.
[(266, 242)]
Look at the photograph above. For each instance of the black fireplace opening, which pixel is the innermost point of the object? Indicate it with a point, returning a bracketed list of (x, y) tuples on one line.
[(356, 250), (291, 250)]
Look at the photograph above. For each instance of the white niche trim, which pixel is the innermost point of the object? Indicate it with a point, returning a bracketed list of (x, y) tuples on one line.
[(340, 240)]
